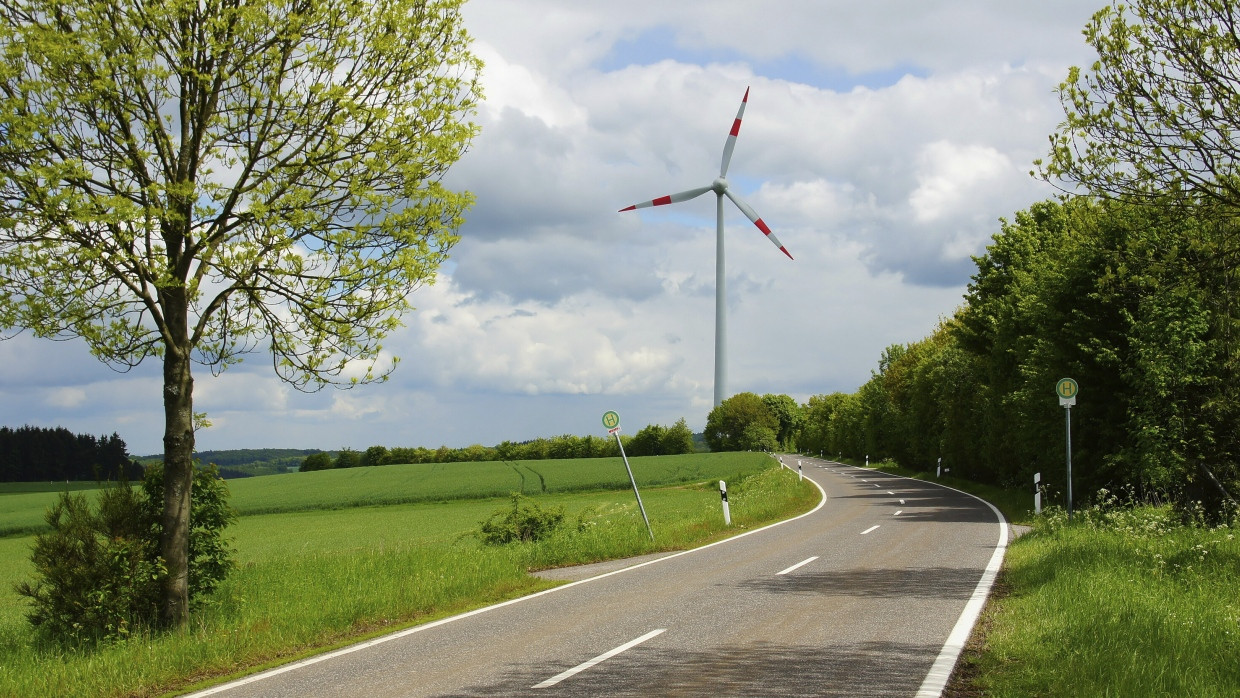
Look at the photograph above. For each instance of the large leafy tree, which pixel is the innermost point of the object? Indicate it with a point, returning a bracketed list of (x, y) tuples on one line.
[(193, 180), (727, 423), (1157, 114)]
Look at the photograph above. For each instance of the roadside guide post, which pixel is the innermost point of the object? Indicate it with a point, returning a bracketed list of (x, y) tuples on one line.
[(611, 420), (800, 472), (1037, 494), (1067, 389), (723, 495)]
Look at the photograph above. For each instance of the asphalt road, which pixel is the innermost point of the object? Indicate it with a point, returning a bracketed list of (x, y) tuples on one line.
[(871, 594)]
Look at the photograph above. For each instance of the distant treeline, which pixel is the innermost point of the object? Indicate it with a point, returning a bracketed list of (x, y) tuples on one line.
[(651, 440), (247, 462), (34, 454)]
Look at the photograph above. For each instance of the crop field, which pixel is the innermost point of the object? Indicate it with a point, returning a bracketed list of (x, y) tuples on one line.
[(304, 539), (431, 482)]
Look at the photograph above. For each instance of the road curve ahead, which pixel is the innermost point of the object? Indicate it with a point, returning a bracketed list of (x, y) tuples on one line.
[(871, 594)]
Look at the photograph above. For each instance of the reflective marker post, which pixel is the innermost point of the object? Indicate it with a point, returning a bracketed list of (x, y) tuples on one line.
[(611, 420), (1067, 389), (723, 495)]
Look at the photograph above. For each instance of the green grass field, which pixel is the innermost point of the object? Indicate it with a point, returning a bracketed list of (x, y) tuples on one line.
[(1119, 603), (326, 566)]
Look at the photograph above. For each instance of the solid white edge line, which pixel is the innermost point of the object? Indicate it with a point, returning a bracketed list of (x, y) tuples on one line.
[(936, 680), (800, 564), (597, 660), (477, 611)]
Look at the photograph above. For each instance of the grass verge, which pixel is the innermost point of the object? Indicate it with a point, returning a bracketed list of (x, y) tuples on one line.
[(1122, 602), (312, 580)]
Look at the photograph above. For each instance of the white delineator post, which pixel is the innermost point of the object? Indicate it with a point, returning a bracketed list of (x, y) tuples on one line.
[(1037, 494), (800, 472), (723, 496)]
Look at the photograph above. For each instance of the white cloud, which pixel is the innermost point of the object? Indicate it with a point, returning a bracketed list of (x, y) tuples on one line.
[(951, 177), (66, 398)]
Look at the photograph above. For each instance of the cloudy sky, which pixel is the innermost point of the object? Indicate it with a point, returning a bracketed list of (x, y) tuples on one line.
[(882, 142)]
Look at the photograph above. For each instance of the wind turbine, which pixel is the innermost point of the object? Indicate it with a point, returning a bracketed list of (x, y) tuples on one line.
[(720, 187)]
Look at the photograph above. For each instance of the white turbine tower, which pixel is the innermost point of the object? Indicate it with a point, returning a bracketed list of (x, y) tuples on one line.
[(720, 187)]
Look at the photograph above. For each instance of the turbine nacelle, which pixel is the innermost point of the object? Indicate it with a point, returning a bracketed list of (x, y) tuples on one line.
[(720, 186)]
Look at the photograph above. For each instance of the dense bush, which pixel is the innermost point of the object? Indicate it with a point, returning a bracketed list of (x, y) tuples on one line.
[(99, 575), (316, 461), (524, 522)]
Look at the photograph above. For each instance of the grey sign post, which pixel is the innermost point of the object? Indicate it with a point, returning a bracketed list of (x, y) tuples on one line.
[(611, 420), (1067, 389)]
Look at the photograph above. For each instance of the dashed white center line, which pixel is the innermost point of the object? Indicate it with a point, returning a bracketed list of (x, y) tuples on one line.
[(599, 659), (901, 501), (891, 493), (871, 528), (797, 566), (898, 513)]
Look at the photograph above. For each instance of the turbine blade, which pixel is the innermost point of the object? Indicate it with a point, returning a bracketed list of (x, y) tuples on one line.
[(672, 199), (757, 220), (731, 142)]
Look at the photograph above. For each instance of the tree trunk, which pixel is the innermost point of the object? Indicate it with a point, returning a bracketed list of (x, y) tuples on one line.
[(178, 459)]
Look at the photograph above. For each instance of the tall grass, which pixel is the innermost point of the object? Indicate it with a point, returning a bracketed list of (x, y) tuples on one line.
[(308, 580), (1122, 602)]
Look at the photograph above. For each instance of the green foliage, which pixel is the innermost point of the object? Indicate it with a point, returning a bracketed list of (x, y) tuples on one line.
[(677, 439), (790, 417), (524, 522), (1152, 118), (1131, 301), (99, 573), (316, 461), (759, 437), (36, 454), (347, 458), (375, 455), (210, 557), (648, 441), (726, 423)]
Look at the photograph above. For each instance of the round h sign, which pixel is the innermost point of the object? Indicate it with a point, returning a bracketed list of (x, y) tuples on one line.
[(611, 420), (1067, 389)]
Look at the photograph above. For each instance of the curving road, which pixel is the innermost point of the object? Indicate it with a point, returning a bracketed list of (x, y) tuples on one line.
[(871, 594)]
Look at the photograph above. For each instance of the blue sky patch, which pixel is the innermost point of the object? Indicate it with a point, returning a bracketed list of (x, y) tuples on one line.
[(660, 43)]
